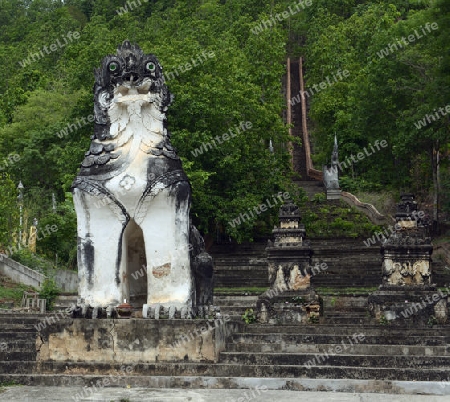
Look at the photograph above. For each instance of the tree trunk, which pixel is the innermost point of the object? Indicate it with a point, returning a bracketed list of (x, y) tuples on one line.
[(435, 169)]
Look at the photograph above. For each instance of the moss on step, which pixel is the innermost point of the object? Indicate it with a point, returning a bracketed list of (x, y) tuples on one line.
[(350, 291), (328, 219), (11, 292), (241, 291)]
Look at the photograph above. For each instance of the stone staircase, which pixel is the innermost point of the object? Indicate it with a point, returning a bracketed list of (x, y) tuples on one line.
[(311, 188), (347, 318), (235, 306), (355, 357), (240, 265), (288, 354), (18, 339), (350, 264), (344, 351), (63, 302)]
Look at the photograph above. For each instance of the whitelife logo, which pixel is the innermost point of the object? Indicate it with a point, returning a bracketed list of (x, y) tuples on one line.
[(405, 41), (314, 89), (71, 36)]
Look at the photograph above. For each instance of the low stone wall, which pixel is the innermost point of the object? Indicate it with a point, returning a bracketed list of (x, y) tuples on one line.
[(133, 340), (368, 209), (20, 273), (66, 280), (344, 303)]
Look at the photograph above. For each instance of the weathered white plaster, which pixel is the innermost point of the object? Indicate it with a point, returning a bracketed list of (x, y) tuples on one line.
[(279, 281), (98, 228), (406, 224), (405, 272), (289, 224), (157, 235), (297, 280)]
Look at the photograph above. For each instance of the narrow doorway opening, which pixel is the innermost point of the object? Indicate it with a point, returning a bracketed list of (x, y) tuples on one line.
[(136, 266)]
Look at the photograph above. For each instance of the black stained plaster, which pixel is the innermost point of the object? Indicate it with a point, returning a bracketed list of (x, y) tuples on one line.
[(131, 67), (88, 258)]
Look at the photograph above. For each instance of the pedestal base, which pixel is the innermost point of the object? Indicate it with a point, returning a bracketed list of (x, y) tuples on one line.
[(290, 307), (333, 194), (417, 306)]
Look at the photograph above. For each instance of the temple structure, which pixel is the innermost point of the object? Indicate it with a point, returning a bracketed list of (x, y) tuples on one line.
[(407, 291), (290, 299), (132, 199), (331, 175)]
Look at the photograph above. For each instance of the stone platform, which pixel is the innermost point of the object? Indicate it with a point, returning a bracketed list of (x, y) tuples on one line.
[(358, 357), (129, 341), (145, 394), (409, 305)]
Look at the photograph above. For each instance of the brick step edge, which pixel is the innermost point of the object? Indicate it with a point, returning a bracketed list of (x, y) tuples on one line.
[(182, 369), (315, 348), (247, 383)]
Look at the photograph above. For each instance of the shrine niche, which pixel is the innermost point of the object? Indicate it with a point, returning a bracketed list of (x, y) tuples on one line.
[(290, 299), (407, 292)]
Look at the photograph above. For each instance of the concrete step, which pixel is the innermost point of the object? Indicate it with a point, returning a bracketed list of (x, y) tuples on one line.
[(22, 345), (226, 301), (239, 260), (361, 312), (16, 327), (342, 317), (245, 388), (287, 340), (14, 318), (345, 303), (67, 298), (64, 301), (18, 366), (358, 349), (351, 319), (234, 310), (442, 330), (332, 312), (9, 337), (18, 337), (98, 371), (235, 306), (345, 313), (18, 355), (342, 357), (234, 279)]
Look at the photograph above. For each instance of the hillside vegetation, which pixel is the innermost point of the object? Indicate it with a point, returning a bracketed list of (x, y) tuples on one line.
[(224, 60)]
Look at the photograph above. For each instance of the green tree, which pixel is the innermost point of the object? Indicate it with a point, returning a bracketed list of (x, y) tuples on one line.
[(9, 216)]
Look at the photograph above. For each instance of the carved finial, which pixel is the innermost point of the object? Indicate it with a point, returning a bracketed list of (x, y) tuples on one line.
[(335, 153)]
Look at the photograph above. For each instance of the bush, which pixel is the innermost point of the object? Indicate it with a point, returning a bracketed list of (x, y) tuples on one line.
[(30, 260), (50, 292), (61, 241), (319, 198), (249, 316), (341, 224), (313, 319), (353, 185)]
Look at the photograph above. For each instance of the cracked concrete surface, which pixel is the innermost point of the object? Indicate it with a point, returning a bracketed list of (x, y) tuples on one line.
[(65, 394)]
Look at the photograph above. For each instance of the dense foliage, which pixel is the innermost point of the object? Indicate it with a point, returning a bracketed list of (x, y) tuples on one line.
[(398, 90), (236, 80), (48, 50)]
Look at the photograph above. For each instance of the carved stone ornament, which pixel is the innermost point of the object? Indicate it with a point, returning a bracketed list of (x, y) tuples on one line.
[(132, 199)]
